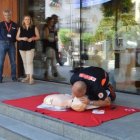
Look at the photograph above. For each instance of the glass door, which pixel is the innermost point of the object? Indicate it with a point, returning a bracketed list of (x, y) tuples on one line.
[(103, 33), (68, 35), (110, 39)]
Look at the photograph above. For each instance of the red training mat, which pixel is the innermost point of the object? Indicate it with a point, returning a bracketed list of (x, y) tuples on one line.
[(86, 118)]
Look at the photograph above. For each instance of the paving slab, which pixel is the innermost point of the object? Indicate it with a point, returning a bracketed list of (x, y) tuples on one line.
[(126, 128)]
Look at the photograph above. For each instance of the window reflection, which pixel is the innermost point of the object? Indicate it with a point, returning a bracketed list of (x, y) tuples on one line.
[(104, 33), (111, 37)]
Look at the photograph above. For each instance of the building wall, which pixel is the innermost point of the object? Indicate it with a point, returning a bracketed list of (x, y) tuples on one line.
[(13, 6)]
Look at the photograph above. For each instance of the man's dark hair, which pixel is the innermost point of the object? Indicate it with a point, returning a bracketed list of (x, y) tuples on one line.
[(48, 19), (54, 16)]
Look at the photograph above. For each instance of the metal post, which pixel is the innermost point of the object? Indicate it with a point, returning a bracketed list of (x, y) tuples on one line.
[(117, 52), (80, 32)]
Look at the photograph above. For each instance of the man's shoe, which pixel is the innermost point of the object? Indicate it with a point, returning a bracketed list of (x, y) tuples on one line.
[(47, 77), (25, 80), (55, 74), (14, 79), (61, 63), (45, 74), (1, 80)]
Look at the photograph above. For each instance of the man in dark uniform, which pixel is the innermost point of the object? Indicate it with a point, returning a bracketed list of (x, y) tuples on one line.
[(8, 30), (93, 82)]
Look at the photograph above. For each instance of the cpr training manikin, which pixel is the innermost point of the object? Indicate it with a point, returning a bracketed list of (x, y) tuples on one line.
[(62, 102)]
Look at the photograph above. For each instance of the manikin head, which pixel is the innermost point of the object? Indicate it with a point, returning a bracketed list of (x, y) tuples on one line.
[(67, 101)]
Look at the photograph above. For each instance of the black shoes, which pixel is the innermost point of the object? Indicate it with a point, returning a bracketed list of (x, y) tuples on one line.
[(55, 74), (47, 77), (1, 80), (61, 63), (14, 79)]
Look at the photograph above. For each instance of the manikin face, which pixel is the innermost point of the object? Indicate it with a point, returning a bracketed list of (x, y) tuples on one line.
[(7, 16)]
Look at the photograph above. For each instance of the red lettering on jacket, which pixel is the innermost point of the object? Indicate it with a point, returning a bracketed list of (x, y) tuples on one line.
[(87, 77)]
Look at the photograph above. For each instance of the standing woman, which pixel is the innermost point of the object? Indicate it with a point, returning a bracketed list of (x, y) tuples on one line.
[(27, 35), (50, 44)]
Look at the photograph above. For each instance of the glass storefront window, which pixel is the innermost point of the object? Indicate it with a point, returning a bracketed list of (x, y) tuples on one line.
[(103, 33), (111, 38)]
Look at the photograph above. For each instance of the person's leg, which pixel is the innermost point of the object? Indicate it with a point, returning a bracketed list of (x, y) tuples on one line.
[(108, 87), (112, 94), (12, 57), (53, 63), (47, 63), (23, 56), (2, 57), (29, 61), (58, 57)]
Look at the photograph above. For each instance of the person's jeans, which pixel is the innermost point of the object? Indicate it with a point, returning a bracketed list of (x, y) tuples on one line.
[(8, 47)]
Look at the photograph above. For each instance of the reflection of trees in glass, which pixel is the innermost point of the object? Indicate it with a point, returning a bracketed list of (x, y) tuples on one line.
[(106, 29), (87, 38), (123, 6), (125, 19), (65, 36)]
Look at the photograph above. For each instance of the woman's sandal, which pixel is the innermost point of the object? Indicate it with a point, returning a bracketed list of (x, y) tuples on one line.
[(31, 82), (25, 80)]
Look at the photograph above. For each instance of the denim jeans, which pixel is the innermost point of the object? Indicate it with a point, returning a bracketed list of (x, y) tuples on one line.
[(8, 47)]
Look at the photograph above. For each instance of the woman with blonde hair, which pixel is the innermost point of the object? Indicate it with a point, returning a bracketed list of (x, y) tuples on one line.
[(27, 35)]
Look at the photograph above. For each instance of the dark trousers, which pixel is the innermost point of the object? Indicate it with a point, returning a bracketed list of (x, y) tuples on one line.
[(8, 47)]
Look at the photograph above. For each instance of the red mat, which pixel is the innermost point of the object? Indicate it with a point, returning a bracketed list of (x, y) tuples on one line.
[(86, 119)]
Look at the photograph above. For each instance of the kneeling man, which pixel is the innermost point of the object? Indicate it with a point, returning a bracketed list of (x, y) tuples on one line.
[(94, 83)]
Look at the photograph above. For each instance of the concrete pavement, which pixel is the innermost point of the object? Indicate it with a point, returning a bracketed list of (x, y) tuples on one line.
[(126, 128)]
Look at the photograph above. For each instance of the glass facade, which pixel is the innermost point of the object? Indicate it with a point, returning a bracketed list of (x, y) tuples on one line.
[(104, 33)]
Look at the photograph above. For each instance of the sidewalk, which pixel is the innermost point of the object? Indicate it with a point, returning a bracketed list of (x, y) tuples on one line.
[(126, 128)]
